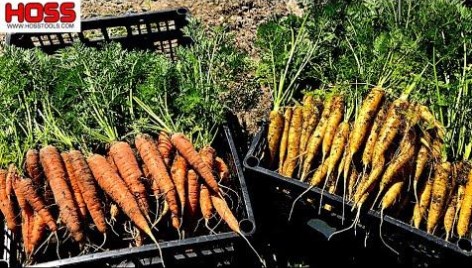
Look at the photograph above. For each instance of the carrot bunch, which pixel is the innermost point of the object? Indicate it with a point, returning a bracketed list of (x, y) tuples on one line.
[(68, 185), (372, 159), (180, 182)]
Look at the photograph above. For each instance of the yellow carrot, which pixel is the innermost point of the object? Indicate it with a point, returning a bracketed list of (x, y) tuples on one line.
[(366, 114), (315, 139), (390, 128), (334, 120), (274, 134), (293, 142), (284, 139), (466, 208), (421, 207), (372, 139), (450, 215), (438, 195)]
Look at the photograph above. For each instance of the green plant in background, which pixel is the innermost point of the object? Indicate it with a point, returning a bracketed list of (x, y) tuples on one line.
[(108, 77), (285, 50), (204, 72)]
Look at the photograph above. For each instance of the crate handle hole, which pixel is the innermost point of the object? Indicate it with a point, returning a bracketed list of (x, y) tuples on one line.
[(252, 161), (247, 226), (182, 11), (465, 244)]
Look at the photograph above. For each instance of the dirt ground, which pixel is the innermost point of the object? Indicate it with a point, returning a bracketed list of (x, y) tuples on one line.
[(240, 16)]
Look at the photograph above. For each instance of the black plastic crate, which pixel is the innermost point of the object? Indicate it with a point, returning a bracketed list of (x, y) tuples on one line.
[(9, 251), (415, 247), (157, 30), (224, 249)]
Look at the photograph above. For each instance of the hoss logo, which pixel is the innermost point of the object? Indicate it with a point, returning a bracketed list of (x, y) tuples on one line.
[(37, 12)]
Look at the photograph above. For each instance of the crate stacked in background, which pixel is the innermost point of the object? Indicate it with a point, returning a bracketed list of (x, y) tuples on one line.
[(160, 31), (274, 195)]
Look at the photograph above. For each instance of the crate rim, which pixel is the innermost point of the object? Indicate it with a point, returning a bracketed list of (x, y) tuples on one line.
[(124, 252)]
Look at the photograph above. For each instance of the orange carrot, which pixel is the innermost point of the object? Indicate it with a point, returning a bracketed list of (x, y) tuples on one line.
[(205, 202), (12, 171), (6, 205), (186, 149), (55, 173), (33, 167), (227, 216), (222, 169), (139, 239), (151, 182), (150, 154), (208, 155), (25, 188), (27, 221), (73, 183), (146, 171), (37, 231), (179, 177), (27, 213), (128, 168), (89, 189), (112, 163), (193, 189), (225, 213), (116, 188), (165, 147)]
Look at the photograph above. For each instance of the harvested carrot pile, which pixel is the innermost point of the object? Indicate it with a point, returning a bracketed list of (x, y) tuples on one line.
[(113, 148), (371, 102), (390, 157)]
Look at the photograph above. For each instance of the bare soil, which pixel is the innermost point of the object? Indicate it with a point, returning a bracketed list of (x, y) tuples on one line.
[(240, 16)]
